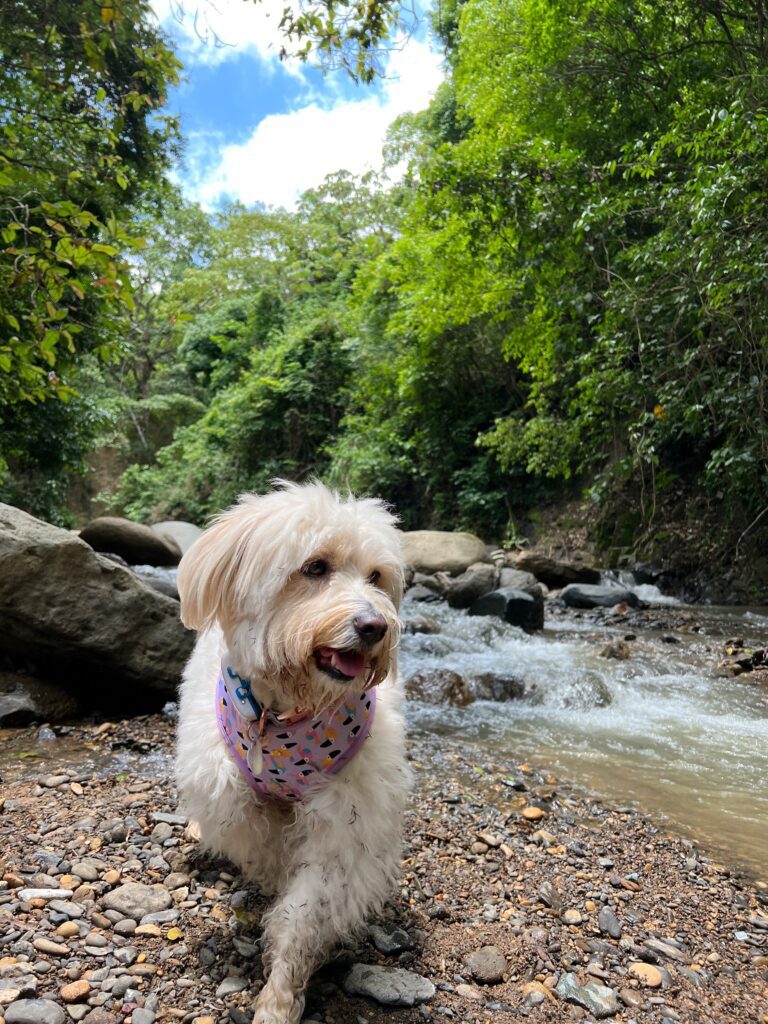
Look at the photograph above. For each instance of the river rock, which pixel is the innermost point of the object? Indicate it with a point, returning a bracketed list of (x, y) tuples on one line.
[(431, 551), (599, 1000), (439, 686), (390, 986), (136, 900), (92, 625), (34, 1011), (608, 923), (552, 573), (136, 543), (502, 688), (487, 965), (472, 584), (182, 534), (514, 606), (390, 941), (160, 578), (582, 595)]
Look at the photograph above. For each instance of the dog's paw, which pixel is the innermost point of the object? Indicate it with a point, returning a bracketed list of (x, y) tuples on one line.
[(278, 1007), (192, 832)]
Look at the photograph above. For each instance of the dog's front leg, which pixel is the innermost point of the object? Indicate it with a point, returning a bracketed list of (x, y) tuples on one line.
[(345, 866)]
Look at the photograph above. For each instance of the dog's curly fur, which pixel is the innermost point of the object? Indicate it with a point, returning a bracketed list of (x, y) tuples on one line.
[(275, 579)]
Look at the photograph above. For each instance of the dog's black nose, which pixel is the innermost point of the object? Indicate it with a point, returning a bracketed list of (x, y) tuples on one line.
[(370, 628)]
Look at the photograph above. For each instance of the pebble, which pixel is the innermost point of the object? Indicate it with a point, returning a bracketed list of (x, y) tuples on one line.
[(396, 940), (75, 992), (572, 917), (469, 992), (34, 1011), (43, 945), (68, 929), (532, 813), (631, 997), (389, 986), (651, 975), (230, 985), (86, 871), (149, 929), (487, 965), (16, 987), (136, 900), (598, 999), (142, 1016), (44, 894), (608, 923)]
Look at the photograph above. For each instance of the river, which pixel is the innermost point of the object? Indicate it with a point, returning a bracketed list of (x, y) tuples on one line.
[(663, 729)]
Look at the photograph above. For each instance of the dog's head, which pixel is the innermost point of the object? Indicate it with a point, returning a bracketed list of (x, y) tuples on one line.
[(305, 585)]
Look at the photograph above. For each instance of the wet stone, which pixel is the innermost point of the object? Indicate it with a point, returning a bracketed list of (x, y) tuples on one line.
[(389, 986)]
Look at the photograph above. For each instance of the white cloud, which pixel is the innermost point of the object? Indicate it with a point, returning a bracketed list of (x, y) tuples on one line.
[(288, 153), (212, 31)]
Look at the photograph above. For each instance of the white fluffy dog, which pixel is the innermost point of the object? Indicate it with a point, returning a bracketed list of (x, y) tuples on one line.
[(288, 760)]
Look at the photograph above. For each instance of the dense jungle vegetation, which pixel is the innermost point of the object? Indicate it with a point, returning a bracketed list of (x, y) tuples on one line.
[(566, 292)]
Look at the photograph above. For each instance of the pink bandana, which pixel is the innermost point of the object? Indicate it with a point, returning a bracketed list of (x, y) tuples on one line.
[(290, 757)]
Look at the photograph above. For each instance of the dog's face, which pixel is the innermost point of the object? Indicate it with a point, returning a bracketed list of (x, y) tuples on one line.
[(306, 587)]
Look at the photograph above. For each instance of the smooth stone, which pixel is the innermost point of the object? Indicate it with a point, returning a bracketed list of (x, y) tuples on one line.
[(136, 900), (390, 986), (67, 908), (160, 917), (34, 1011), (608, 923), (231, 985), (651, 975), (599, 1000), (169, 819), (142, 1016), (44, 894), (75, 992), (86, 871), (487, 965), (78, 1010), (51, 948), (572, 917)]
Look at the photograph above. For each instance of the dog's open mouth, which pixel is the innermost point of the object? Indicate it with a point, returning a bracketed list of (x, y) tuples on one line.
[(343, 665)]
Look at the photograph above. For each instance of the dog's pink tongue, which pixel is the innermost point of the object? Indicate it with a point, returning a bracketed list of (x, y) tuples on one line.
[(350, 663)]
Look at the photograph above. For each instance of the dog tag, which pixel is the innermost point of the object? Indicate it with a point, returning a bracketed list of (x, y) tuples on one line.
[(256, 757)]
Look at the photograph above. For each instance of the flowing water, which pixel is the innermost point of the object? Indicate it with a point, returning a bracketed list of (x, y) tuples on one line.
[(661, 729)]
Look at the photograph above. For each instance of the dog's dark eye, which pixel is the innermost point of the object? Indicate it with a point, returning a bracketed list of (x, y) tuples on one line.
[(317, 568), (374, 578)]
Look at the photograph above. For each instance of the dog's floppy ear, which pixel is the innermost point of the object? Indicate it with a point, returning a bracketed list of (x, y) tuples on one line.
[(208, 583)]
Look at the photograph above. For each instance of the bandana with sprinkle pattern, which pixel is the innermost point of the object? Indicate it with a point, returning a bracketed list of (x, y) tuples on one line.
[(286, 757)]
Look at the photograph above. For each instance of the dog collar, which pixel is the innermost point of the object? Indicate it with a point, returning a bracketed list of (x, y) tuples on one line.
[(285, 758)]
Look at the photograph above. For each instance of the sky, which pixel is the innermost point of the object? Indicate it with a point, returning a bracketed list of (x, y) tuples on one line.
[(258, 129)]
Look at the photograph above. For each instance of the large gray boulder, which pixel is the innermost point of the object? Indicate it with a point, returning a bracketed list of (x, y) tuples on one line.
[(555, 574), (431, 551), (82, 618), (136, 543)]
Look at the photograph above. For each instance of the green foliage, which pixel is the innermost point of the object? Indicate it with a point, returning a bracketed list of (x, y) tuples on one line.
[(80, 142)]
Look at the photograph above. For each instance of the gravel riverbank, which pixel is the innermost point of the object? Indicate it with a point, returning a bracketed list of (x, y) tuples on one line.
[(520, 897)]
